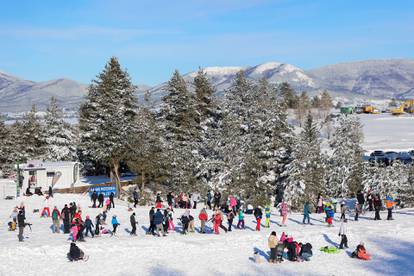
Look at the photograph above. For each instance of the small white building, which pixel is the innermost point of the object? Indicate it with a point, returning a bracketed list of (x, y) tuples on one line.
[(8, 189), (42, 174)]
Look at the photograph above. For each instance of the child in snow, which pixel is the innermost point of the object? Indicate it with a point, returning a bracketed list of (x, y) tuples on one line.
[(240, 224), (280, 248), (361, 252), (74, 232), (108, 204), (283, 212), (342, 233), (329, 214), (115, 224), (88, 226), (358, 210), (203, 217), (272, 242), (306, 211), (306, 251), (230, 217), (75, 254), (258, 215), (267, 214)]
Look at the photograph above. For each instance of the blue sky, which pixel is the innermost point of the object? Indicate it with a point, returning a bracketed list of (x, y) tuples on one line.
[(47, 39)]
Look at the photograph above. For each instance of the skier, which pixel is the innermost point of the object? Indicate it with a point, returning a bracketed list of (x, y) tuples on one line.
[(377, 206), (240, 224), (284, 212), (272, 242), (158, 219), (75, 254), (88, 226), (203, 217), (389, 204), (111, 199), (101, 199), (115, 224), (267, 214), (230, 217), (135, 195), (306, 211), (342, 233), (134, 223), (21, 224), (56, 220), (258, 215), (94, 197), (65, 215)]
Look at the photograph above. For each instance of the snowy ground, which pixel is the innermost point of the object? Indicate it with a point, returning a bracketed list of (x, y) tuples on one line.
[(390, 242), (387, 132)]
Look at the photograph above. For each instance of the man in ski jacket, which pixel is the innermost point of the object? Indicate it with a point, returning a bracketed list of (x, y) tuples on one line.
[(56, 220), (111, 199), (158, 220), (21, 223), (306, 211), (101, 199), (65, 215), (377, 206), (151, 229), (94, 197), (133, 222)]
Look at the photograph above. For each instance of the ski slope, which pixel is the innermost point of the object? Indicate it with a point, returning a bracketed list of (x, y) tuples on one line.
[(390, 242)]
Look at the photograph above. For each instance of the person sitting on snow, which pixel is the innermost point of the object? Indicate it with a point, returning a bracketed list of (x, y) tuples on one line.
[(361, 253), (75, 253)]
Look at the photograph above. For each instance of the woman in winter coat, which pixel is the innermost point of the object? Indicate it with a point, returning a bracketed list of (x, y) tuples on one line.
[(240, 224), (115, 224), (203, 217), (284, 212), (272, 242)]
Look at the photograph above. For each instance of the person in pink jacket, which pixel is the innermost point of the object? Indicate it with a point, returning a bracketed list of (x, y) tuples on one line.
[(74, 232), (233, 203), (284, 212)]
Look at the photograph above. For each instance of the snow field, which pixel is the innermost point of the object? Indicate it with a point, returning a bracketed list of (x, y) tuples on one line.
[(390, 242)]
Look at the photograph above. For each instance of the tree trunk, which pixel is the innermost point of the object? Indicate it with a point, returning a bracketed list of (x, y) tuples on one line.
[(115, 176)]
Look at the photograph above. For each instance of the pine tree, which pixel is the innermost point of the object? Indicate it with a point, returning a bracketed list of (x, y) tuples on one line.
[(32, 137), (107, 118), (288, 94), (60, 138), (346, 165), (4, 138), (181, 128), (406, 189), (302, 107), (306, 173)]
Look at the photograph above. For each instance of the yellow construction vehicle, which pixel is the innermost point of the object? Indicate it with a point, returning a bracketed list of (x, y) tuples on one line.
[(369, 109), (407, 106)]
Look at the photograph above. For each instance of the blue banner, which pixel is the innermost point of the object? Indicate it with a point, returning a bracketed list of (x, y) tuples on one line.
[(105, 190)]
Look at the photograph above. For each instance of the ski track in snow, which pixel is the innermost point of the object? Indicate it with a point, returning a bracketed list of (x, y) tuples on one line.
[(390, 242)]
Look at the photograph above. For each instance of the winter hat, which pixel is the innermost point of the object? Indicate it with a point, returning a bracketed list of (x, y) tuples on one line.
[(133, 214), (87, 217)]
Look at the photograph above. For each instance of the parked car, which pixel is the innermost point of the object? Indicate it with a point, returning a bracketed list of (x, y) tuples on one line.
[(391, 155), (405, 157), (378, 156)]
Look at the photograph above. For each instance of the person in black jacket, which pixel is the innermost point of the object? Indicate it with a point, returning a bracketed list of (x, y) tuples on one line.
[(111, 198), (170, 199), (377, 206), (258, 215), (133, 221), (306, 251), (65, 215), (101, 200), (75, 253), (21, 224), (50, 193), (361, 198), (88, 226), (97, 224), (135, 195), (151, 229), (94, 197), (217, 198)]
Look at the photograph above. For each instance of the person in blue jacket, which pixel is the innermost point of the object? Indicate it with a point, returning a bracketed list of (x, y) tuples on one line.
[(158, 220), (306, 212), (115, 224)]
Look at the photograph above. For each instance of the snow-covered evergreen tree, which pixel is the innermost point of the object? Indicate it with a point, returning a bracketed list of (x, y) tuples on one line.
[(346, 165), (60, 137), (406, 189), (306, 173), (32, 137), (181, 128), (107, 118)]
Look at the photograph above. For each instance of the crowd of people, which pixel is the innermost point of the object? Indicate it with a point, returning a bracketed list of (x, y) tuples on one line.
[(71, 220)]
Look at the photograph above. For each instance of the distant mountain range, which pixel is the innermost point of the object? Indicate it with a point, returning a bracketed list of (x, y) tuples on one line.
[(379, 79)]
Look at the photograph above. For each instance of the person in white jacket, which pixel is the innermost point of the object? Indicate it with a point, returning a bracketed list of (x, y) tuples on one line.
[(342, 233)]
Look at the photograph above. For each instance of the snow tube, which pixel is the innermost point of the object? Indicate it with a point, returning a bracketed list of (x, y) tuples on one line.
[(329, 249)]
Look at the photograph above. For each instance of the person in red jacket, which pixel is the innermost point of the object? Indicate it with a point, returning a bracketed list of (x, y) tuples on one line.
[(203, 217), (361, 253)]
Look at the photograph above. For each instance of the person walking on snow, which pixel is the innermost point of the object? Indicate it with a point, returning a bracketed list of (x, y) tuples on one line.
[(171, 226), (358, 210), (65, 215), (389, 204), (111, 199), (115, 224), (320, 204), (233, 203), (343, 210), (342, 233), (230, 217), (258, 215), (158, 220), (267, 214), (272, 242), (101, 199), (306, 212), (88, 226), (377, 206), (151, 229), (21, 223), (240, 224), (94, 197), (135, 196), (203, 217), (56, 220), (284, 212), (134, 223)]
